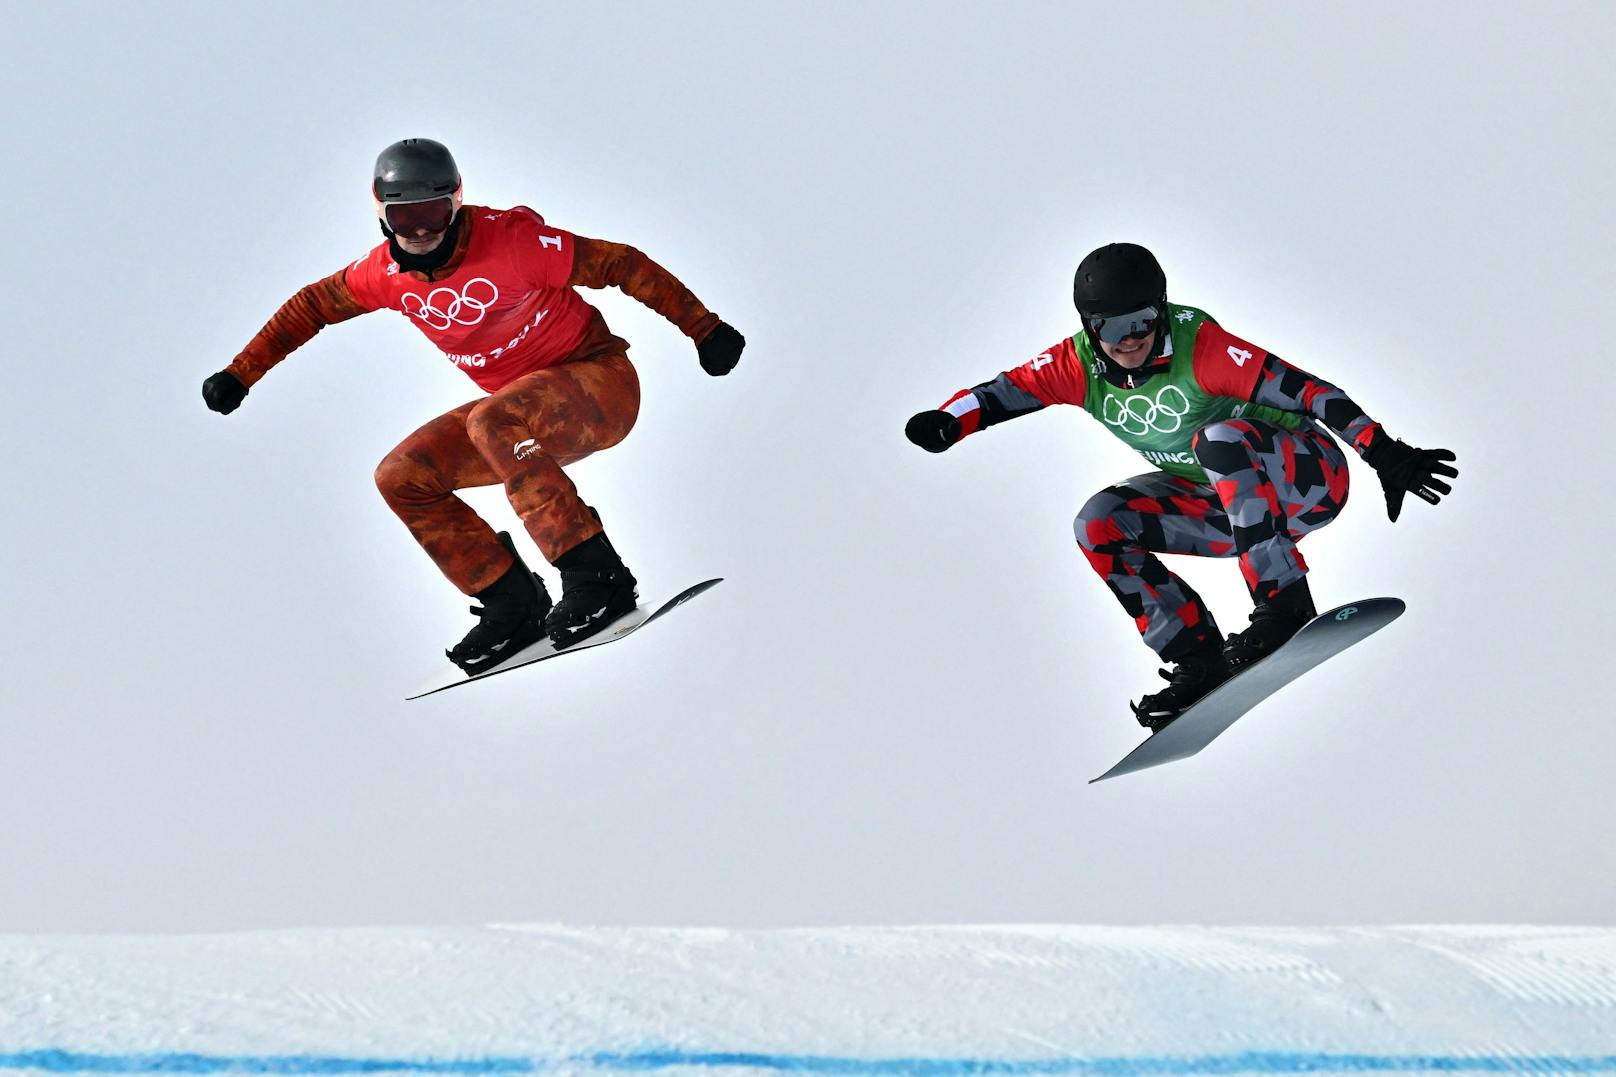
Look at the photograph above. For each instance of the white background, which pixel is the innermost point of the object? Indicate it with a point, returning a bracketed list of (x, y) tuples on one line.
[(889, 710)]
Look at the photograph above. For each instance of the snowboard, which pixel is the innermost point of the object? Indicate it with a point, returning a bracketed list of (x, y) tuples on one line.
[(1328, 634), (626, 625)]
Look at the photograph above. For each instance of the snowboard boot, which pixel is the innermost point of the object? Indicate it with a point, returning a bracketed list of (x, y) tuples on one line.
[(512, 617), (596, 589), (1193, 676), (1273, 623)]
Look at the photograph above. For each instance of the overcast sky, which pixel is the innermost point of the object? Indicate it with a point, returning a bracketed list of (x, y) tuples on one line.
[(889, 710)]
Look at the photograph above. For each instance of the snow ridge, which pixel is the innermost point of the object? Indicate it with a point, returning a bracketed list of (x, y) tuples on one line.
[(1020, 1001)]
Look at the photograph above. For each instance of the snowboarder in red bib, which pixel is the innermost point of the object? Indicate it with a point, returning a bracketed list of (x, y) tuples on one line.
[(494, 290), (1245, 468)]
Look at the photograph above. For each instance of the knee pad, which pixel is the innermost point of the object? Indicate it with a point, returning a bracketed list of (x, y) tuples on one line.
[(495, 428), (1227, 432), (393, 474), (1095, 523)]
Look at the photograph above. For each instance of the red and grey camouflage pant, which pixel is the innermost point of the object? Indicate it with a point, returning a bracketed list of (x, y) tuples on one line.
[(1269, 488), (521, 436)]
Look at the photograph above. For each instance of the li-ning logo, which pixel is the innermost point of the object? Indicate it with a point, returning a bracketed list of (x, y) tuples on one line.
[(527, 448), (1346, 613), (1141, 414), (444, 307)]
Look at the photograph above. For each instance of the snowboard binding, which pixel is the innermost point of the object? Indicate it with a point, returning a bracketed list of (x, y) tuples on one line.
[(596, 589), (1275, 620), (511, 617), (1193, 677)]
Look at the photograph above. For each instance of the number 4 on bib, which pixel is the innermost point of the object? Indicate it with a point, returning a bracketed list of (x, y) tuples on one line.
[(1327, 635)]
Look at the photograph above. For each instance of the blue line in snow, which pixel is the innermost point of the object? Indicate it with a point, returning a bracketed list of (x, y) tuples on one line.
[(81, 1062), (1259, 1062), (1255, 1062)]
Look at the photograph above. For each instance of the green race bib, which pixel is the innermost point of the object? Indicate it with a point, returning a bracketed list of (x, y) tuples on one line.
[(1160, 419)]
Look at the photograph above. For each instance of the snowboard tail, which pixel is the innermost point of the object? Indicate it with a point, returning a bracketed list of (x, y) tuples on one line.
[(1327, 635)]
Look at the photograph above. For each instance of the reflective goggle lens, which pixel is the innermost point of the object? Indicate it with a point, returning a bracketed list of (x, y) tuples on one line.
[(414, 218), (1115, 328)]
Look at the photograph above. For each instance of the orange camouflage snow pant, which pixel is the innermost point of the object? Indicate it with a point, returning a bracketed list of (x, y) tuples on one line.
[(521, 436)]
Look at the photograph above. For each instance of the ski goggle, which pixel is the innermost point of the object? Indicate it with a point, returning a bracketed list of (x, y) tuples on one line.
[(1115, 328), (413, 218)]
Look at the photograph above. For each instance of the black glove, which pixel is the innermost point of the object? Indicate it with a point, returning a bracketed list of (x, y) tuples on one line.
[(933, 431), (1404, 469), (720, 349), (223, 392)]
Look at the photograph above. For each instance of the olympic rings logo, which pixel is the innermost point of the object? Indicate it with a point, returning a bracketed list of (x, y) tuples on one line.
[(444, 307), (1140, 414)]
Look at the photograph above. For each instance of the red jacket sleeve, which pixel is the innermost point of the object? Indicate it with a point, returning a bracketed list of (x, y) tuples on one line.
[(1055, 376), (546, 255), (1225, 365), (1229, 366), (599, 264), (315, 306)]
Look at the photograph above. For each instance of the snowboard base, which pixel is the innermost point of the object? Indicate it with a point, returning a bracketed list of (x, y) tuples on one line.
[(1327, 635), (631, 622)]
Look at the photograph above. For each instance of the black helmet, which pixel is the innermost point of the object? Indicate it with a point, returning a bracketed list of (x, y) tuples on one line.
[(416, 170), (1118, 278)]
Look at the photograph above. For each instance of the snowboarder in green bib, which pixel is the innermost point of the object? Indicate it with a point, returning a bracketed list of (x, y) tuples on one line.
[(1244, 467)]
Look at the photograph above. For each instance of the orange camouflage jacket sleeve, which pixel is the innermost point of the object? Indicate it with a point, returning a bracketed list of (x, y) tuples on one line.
[(315, 306), (599, 264)]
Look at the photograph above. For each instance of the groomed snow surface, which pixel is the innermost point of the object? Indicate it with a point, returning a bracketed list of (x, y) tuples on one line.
[(936, 1002)]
